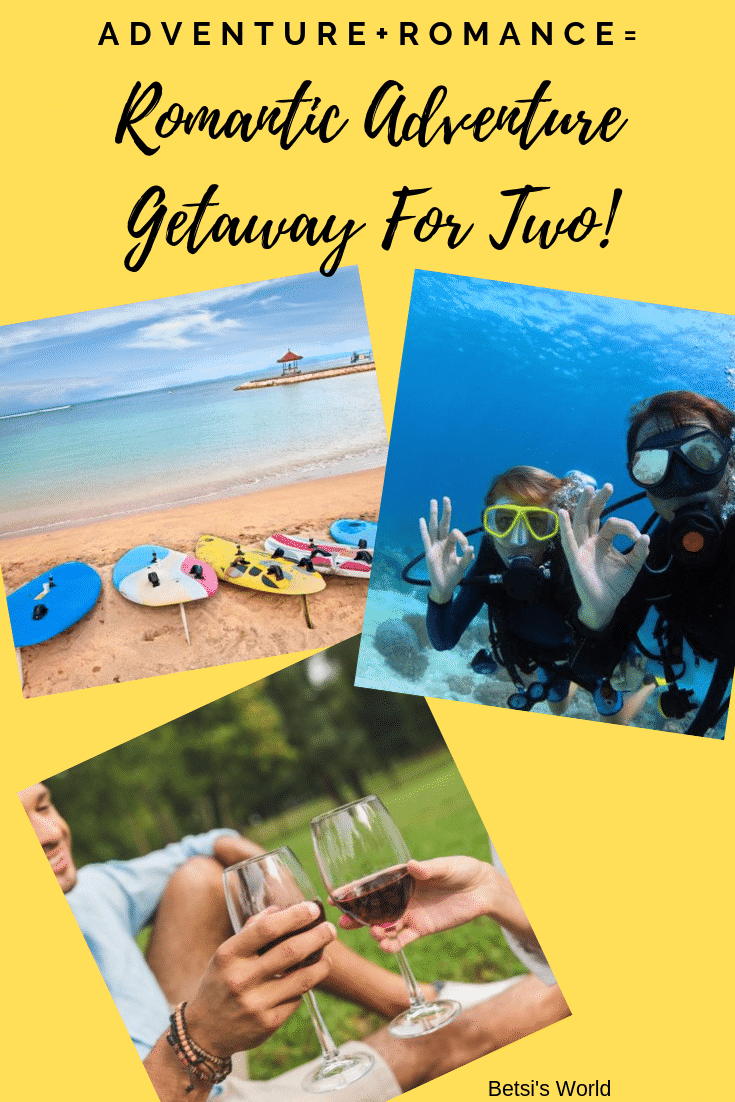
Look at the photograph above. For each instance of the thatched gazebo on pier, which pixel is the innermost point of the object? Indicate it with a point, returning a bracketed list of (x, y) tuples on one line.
[(290, 363)]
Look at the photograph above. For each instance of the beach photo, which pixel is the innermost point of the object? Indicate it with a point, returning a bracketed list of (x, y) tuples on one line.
[(557, 532), (202, 859), (188, 481)]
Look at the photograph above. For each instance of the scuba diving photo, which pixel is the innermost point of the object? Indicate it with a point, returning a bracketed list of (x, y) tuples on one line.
[(557, 526)]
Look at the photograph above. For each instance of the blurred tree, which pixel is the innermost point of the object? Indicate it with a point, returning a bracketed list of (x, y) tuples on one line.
[(302, 732)]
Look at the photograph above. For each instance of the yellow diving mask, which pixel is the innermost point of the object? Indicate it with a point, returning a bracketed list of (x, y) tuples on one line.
[(500, 520)]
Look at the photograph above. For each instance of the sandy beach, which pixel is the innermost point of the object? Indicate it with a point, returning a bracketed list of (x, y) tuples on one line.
[(120, 641)]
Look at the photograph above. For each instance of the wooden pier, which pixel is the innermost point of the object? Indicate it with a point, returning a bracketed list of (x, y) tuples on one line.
[(308, 376)]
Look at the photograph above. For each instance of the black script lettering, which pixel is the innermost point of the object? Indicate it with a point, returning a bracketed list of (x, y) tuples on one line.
[(426, 226), (151, 227), (385, 114), (183, 228), (398, 216), (154, 92), (523, 194), (577, 229), (273, 120), (420, 122)]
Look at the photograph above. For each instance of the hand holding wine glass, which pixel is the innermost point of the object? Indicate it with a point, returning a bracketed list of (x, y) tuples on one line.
[(247, 992), (363, 861), (272, 882), (447, 892)]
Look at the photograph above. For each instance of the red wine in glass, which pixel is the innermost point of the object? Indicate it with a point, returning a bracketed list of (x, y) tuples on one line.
[(378, 900), (362, 858)]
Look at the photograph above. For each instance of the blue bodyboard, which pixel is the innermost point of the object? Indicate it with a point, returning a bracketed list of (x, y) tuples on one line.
[(52, 602), (352, 531)]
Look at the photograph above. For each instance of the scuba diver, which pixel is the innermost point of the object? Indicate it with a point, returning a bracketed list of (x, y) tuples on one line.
[(676, 597), (521, 575)]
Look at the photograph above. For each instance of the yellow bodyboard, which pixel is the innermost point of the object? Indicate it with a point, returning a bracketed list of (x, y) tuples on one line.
[(251, 568)]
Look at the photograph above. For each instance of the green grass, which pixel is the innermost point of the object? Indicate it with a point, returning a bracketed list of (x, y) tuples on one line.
[(430, 804)]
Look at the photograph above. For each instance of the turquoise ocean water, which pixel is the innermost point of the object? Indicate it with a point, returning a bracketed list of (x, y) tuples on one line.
[(162, 448), (496, 374)]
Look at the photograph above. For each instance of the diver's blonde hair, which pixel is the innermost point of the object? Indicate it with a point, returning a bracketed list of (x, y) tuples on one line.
[(526, 485)]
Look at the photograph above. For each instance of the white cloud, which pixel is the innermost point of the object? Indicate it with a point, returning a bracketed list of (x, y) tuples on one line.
[(185, 331), (45, 392), (13, 335), (50, 329)]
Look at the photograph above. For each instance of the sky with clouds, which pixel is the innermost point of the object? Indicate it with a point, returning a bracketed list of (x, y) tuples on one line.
[(171, 341)]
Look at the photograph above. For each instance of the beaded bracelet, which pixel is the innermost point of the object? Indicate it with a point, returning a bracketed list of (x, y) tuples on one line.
[(201, 1066)]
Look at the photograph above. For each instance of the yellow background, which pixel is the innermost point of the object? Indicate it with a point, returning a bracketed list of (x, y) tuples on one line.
[(618, 842)]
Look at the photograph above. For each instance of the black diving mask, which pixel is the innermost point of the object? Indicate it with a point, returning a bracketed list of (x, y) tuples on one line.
[(681, 462)]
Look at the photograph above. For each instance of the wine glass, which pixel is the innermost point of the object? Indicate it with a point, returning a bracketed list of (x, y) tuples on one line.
[(277, 879), (362, 858)]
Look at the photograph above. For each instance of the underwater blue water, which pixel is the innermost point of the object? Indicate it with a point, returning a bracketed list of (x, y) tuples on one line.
[(127, 454), (496, 374)]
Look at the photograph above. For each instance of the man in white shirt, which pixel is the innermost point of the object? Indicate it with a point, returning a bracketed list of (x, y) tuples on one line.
[(235, 994)]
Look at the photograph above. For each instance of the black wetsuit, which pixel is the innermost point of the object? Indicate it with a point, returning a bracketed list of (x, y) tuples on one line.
[(695, 603), (525, 634), (696, 598)]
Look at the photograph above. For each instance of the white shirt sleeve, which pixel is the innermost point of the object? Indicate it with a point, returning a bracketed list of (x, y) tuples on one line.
[(534, 960), (137, 885)]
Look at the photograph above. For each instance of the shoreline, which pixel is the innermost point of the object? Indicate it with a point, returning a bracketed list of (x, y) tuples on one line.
[(346, 466), (122, 641)]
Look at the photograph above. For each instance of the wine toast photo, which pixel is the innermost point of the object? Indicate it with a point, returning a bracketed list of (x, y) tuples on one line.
[(290, 891)]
